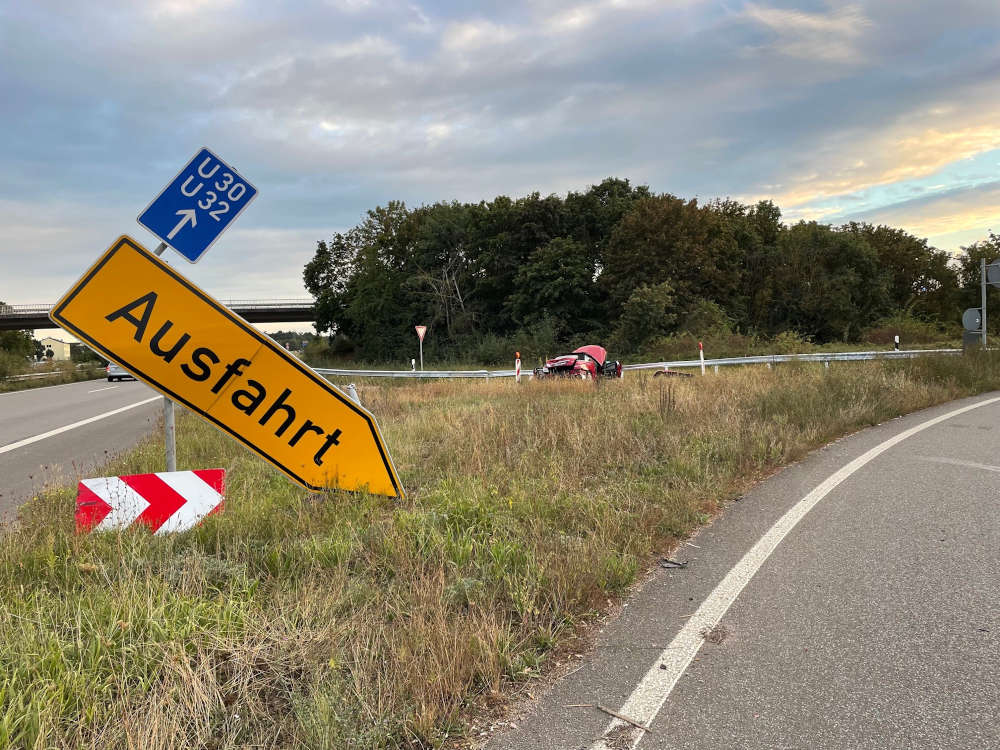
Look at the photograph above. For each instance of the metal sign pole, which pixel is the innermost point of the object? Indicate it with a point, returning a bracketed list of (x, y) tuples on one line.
[(169, 425), (982, 269)]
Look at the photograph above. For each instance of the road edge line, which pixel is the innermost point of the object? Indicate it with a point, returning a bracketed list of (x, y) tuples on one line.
[(67, 428)]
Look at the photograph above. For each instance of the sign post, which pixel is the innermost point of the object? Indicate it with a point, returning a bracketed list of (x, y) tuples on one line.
[(209, 184), (421, 330), (982, 271), (141, 313), (169, 420)]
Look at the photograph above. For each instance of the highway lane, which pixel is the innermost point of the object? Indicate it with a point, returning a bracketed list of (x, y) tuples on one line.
[(874, 623), (66, 456)]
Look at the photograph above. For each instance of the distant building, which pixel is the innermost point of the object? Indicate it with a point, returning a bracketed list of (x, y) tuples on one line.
[(60, 349)]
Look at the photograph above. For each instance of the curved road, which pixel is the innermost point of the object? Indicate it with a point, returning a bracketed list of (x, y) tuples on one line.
[(873, 621), (36, 448)]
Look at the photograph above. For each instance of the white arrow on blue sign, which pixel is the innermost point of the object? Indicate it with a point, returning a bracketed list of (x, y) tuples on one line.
[(192, 211)]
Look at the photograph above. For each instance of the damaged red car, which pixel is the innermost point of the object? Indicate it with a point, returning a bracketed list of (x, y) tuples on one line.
[(587, 363)]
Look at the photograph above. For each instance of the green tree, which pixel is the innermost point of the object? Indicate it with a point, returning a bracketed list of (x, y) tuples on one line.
[(969, 275), (649, 312), (825, 284), (326, 278), (357, 280), (82, 354), (557, 283), (970, 256), (920, 279), (705, 318), (761, 231), (668, 239), (16, 343), (596, 262)]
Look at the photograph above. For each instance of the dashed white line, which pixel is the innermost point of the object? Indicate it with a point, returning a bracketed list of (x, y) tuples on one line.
[(67, 428), (655, 687), (98, 390)]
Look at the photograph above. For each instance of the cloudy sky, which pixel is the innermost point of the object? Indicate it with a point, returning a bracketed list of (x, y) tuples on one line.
[(882, 110)]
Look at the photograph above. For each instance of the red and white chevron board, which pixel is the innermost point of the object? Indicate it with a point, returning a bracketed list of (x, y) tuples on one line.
[(166, 502)]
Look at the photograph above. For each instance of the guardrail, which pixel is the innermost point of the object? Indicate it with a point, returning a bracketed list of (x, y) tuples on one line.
[(766, 359), (97, 372), (485, 374), (773, 359), (32, 375)]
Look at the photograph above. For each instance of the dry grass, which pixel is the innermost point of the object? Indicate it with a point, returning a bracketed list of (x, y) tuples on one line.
[(350, 621)]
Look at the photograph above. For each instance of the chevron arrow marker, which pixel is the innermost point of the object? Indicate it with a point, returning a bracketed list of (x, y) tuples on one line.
[(165, 502)]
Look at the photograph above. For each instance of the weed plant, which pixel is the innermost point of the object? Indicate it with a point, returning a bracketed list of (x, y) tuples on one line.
[(354, 621)]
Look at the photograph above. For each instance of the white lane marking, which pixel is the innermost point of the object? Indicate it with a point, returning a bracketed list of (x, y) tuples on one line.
[(126, 504), (200, 495), (958, 462), (653, 690), (110, 387), (67, 428)]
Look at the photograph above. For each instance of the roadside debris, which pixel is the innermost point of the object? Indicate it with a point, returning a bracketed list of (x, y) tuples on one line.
[(715, 635), (608, 711), (666, 562)]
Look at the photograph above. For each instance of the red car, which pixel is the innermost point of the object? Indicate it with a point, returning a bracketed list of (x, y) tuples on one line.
[(587, 363)]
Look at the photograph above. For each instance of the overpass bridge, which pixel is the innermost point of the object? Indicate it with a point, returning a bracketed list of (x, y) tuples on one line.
[(26, 317)]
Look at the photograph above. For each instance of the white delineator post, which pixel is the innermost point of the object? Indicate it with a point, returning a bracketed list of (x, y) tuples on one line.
[(701, 356), (169, 425), (353, 393), (421, 330), (517, 367), (896, 342)]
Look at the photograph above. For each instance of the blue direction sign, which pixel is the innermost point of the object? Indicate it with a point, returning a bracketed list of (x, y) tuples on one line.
[(193, 210)]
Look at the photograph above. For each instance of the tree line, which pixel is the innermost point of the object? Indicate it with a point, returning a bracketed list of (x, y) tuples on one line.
[(622, 266)]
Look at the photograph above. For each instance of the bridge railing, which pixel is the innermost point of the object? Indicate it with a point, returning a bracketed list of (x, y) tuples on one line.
[(24, 309), (265, 304), (7, 309)]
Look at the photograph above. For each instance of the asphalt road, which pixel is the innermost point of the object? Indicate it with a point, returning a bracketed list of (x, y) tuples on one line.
[(68, 455), (874, 623)]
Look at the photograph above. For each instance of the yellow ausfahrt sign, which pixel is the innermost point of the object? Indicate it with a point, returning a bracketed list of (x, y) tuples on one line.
[(143, 314)]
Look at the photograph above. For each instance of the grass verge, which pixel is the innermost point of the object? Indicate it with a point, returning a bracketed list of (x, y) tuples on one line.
[(352, 621)]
